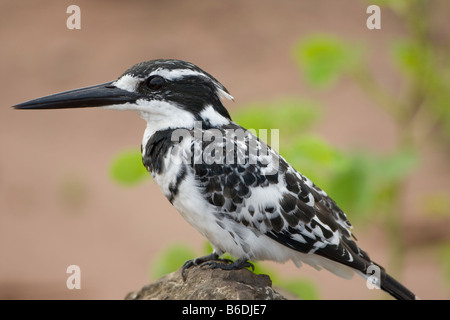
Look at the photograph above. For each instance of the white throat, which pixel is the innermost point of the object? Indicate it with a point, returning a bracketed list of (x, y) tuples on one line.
[(161, 115), (165, 116)]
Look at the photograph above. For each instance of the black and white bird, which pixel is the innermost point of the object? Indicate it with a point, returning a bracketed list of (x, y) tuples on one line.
[(235, 190)]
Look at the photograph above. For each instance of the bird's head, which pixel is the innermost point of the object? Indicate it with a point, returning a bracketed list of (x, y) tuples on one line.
[(167, 93)]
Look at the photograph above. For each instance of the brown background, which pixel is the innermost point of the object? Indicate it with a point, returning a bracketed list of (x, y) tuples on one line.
[(58, 205)]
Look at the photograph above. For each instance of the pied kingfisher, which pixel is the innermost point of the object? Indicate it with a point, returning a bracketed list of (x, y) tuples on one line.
[(229, 185)]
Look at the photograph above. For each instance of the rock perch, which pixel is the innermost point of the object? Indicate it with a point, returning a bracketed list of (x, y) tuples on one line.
[(203, 283)]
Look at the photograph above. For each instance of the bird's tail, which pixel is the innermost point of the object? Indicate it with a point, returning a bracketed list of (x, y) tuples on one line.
[(395, 288)]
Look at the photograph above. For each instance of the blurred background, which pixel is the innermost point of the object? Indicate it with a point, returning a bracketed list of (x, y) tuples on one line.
[(364, 113)]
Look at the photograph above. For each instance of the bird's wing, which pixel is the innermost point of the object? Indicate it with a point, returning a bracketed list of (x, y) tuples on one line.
[(265, 193)]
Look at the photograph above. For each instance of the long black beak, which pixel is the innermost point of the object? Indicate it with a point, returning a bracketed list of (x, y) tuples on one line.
[(95, 96)]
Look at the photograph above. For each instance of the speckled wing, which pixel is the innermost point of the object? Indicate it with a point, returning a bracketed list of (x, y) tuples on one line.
[(264, 193)]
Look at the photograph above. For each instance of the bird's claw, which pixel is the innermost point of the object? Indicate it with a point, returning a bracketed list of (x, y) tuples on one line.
[(213, 261), (196, 262), (238, 264)]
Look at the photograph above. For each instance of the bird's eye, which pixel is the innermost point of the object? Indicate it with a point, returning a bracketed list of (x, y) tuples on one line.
[(155, 82)]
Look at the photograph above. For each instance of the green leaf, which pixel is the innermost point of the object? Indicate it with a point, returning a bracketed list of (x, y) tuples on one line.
[(126, 168), (351, 186), (409, 57), (302, 288), (312, 156), (261, 268), (324, 58), (367, 183), (289, 115), (171, 259), (315, 149), (396, 166)]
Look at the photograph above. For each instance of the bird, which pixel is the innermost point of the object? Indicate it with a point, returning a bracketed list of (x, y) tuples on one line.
[(233, 188)]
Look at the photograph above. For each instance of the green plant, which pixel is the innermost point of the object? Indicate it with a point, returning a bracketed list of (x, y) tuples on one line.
[(126, 167), (170, 259)]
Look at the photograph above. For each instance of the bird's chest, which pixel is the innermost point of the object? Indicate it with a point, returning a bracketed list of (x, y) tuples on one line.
[(179, 185), (170, 167)]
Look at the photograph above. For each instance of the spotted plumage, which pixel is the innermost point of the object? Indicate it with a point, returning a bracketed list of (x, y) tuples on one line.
[(283, 205), (234, 189)]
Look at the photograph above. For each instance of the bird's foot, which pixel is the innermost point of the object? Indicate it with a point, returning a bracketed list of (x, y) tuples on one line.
[(199, 261), (236, 265)]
